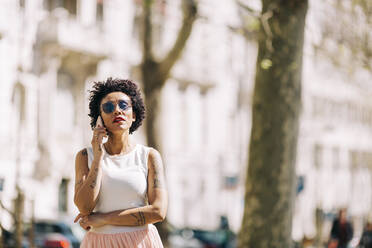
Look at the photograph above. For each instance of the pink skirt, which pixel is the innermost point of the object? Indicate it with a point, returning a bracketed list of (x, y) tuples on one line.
[(147, 238)]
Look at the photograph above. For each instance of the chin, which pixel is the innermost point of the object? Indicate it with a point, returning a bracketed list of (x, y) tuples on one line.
[(120, 128)]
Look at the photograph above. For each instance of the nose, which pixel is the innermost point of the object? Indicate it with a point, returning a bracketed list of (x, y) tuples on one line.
[(117, 109)]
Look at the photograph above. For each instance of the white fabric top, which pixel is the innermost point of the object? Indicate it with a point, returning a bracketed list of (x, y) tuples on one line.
[(123, 186)]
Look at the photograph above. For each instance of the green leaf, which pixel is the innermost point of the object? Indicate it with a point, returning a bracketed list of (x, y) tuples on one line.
[(266, 64)]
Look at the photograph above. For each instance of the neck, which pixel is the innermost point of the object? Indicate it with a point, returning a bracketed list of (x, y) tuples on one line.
[(118, 143)]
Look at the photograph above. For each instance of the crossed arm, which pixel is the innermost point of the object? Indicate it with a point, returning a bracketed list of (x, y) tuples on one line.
[(152, 213)]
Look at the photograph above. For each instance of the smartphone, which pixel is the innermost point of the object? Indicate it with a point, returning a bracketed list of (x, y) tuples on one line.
[(99, 123)]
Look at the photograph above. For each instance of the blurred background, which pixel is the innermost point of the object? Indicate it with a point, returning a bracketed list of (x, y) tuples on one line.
[(203, 63)]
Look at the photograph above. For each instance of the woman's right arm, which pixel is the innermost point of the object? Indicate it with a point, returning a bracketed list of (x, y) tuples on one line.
[(88, 181), (86, 186)]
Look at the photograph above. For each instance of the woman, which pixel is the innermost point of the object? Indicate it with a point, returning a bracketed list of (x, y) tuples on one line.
[(121, 181)]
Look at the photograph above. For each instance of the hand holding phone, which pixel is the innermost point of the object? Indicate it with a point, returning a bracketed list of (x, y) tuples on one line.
[(99, 133)]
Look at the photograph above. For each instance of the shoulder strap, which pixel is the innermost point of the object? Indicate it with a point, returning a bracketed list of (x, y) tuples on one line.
[(144, 157)]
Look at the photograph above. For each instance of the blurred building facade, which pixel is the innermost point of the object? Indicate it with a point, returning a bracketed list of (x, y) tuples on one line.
[(335, 140), (52, 50)]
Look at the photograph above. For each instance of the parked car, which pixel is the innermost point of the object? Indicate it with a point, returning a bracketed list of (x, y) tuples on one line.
[(55, 240), (183, 238), (198, 238), (54, 234), (215, 238)]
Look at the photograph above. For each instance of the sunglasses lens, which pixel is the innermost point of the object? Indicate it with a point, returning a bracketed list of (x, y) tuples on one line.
[(123, 105), (108, 107)]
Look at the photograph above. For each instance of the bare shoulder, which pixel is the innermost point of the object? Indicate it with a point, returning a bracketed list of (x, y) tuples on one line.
[(153, 153), (81, 160), (82, 154), (155, 158)]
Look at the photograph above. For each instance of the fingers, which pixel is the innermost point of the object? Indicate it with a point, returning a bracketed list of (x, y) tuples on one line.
[(84, 223), (78, 217), (99, 130), (85, 226), (98, 134)]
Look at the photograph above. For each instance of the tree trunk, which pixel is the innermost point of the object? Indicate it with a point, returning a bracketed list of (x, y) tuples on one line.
[(152, 88), (2, 236), (153, 104), (18, 218), (270, 180)]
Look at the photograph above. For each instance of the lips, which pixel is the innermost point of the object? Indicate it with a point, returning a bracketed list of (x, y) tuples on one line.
[(118, 119)]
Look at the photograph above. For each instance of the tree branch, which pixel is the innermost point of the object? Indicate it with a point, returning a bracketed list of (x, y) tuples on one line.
[(6, 209), (266, 27), (147, 31), (189, 16), (248, 9)]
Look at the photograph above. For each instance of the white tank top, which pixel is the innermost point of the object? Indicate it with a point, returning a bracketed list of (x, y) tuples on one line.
[(123, 186)]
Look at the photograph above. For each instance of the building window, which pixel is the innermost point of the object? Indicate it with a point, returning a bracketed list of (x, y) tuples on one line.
[(336, 157), (99, 11), (354, 159), (47, 4), (69, 5), (62, 195), (52, 4), (318, 155), (22, 4), (18, 100), (65, 103), (369, 160)]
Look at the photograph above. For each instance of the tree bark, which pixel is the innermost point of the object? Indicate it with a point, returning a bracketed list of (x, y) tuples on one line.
[(18, 218), (270, 180), (153, 99)]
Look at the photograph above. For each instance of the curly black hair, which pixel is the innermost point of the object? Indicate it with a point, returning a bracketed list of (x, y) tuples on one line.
[(101, 89)]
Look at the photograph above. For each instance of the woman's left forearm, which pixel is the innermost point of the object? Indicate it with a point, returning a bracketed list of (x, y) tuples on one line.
[(135, 216)]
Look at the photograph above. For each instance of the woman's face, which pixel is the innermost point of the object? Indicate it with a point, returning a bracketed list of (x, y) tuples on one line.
[(116, 111)]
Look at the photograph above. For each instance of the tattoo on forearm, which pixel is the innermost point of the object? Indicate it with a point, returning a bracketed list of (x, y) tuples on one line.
[(93, 184), (80, 182), (140, 218), (137, 219), (143, 220)]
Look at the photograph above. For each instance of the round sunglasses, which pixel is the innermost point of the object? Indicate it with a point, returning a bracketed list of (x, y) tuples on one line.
[(109, 107)]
